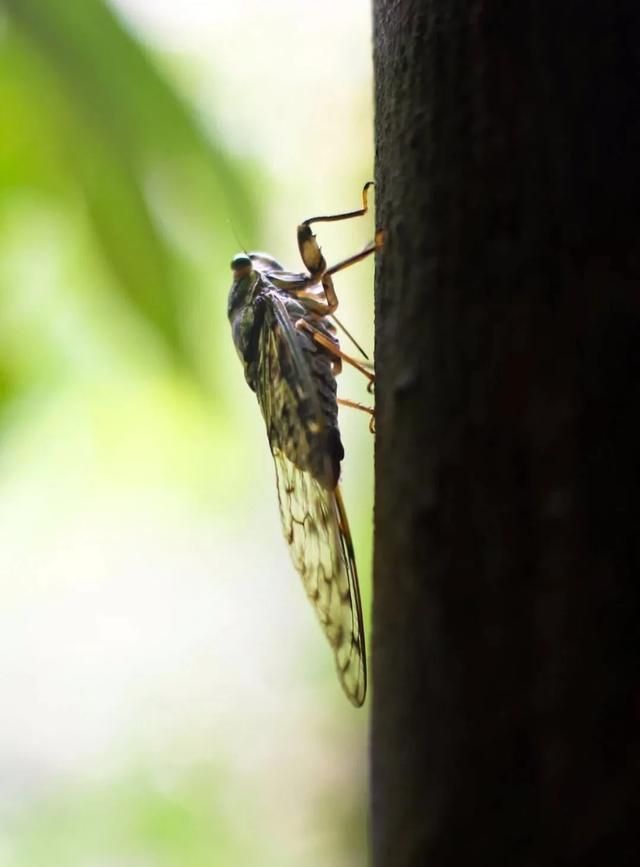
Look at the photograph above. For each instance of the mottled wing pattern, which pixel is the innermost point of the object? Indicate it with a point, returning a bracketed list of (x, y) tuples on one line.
[(313, 518), (315, 528)]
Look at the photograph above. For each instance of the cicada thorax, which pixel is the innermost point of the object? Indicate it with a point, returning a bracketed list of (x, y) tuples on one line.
[(309, 424)]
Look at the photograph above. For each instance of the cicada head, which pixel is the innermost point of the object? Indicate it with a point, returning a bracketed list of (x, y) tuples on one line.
[(247, 269), (245, 305), (243, 286)]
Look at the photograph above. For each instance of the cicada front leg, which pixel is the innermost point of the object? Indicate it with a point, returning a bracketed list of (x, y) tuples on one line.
[(315, 262), (298, 284), (312, 254)]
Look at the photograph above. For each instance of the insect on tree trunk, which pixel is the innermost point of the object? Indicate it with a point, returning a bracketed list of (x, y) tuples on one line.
[(506, 693)]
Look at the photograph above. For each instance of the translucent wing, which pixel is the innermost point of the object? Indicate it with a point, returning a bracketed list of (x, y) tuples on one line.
[(315, 527), (313, 515)]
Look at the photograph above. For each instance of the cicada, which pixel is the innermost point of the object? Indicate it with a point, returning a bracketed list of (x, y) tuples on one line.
[(282, 328)]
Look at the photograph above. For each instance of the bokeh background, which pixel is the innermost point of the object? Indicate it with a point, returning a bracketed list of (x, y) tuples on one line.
[(166, 696)]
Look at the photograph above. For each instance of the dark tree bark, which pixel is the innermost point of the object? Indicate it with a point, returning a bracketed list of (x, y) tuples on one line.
[(506, 695)]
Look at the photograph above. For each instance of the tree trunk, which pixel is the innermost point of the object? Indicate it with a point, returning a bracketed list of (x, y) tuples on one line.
[(506, 650)]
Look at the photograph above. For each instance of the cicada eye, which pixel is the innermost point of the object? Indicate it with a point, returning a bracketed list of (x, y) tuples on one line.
[(241, 265)]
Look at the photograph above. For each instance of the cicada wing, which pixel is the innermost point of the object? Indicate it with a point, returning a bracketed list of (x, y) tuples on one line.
[(313, 516), (317, 532)]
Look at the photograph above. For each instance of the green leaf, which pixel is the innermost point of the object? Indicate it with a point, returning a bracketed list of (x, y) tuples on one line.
[(90, 118)]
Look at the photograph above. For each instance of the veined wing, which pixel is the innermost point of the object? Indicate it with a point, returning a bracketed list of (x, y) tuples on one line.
[(313, 516), (316, 529)]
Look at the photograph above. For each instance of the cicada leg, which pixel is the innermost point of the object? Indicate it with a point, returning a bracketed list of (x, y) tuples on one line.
[(353, 404), (322, 340), (299, 283), (340, 356), (309, 248), (346, 215), (327, 282), (315, 262)]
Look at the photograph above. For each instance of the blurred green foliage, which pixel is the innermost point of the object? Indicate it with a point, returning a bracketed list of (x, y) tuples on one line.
[(135, 819), (141, 820), (90, 129)]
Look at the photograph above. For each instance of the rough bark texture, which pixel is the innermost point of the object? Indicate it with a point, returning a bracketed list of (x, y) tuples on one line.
[(506, 708)]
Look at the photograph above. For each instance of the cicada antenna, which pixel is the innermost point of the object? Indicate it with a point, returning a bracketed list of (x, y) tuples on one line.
[(236, 236)]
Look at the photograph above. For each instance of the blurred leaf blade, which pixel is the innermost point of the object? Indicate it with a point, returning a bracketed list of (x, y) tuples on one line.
[(119, 124)]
